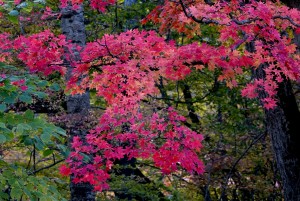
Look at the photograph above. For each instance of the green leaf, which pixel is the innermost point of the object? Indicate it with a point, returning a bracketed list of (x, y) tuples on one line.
[(27, 192), (46, 198), (29, 115), (61, 131), (16, 192), (62, 147), (3, 95), (5, 66), (47, 152), (19, 173), (8, 134), (18, 130), (2, 163), (38, 143), (32, 180), (28, 8), (28, 141), (2, 107), (10, 98), (42, 83), (26, 126), (55, 87), (37, 123), (40, 94), (49, 129), (2, 139), (64, 150), (2, 125), (25, 98), (10, 177), (4, 196), (46, 137), (13, 19)]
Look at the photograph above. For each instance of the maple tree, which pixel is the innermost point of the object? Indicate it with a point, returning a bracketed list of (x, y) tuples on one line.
[(124, 68)]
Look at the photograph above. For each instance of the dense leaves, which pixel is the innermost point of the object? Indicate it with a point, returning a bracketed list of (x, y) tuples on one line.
[(24, 135), (127, 69), (264, 25)]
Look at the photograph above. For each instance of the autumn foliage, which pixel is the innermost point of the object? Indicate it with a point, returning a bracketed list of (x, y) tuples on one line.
[(124, 69)]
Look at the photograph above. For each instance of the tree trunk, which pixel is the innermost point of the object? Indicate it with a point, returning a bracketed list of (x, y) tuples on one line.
[(72, 24), (129, 2), (292, 3), (283, 125), (133, 22), (187, 94)]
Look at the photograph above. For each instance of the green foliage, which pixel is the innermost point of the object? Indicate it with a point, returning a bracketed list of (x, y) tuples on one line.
[(17, 184), (117, 19), (12, 93), (134, 188), (27, 141), (14, 11)]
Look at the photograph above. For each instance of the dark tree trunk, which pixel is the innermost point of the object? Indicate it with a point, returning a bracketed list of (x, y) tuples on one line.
[(187, 94), (133, 22), (206, 193), (189, 104), (292, 3), (283, 124), (72, 24), (129, 2)]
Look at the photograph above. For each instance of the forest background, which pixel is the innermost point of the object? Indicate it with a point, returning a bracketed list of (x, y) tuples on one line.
[(54, 91)]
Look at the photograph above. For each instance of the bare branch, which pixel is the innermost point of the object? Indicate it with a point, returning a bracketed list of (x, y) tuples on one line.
[(286, 18), (257, 138), (46, 167)]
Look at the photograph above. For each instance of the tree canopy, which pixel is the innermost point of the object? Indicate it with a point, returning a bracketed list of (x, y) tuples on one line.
[(181, 80)]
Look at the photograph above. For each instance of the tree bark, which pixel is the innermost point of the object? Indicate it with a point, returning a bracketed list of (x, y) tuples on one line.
[(283, 125), (187, 94), (72, 24), (129, 2), (133, 22), (292, 3)]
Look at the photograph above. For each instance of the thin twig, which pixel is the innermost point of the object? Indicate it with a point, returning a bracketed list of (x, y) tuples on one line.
[(46, 167), (238, 160)]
